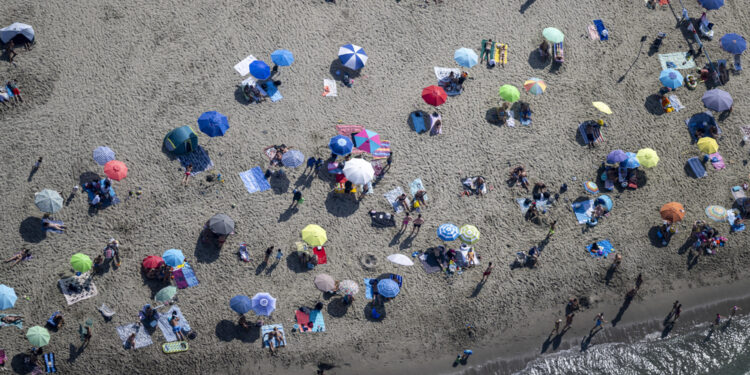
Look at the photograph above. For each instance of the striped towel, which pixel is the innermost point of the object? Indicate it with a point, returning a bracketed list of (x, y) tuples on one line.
[(254, 180)]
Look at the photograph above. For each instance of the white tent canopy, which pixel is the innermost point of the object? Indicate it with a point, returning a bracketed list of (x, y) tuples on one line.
[(10, 32)]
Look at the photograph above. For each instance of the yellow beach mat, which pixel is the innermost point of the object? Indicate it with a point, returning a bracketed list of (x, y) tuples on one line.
[(501, 49)]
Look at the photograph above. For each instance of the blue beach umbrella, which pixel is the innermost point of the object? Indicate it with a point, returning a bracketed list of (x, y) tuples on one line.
[(293, 158), (733, 43), (7, 297), (671, 78), (263, 304), (173, 257), (353, 57), (213, 123), (604, 200), (616, 156), (388, 288), (448, 232), (103, 154), (241, 304), (466, 57), (631, 162), (717, 100), (282, 57), (341, 145), (260, 70), (711, 4)]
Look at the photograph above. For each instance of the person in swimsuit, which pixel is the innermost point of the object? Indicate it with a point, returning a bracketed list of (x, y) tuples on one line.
[(19, 257), (188, 171), (487, 50), (402, 201), (417, 225), (11, 319), (405, 222), (598, 325), (277, 335), (487, 273), (419, 197), (174, 321)]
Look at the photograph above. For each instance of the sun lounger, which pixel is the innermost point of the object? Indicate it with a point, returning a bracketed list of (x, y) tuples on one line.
[(434, 118), (49, 362), (601, 30), (717, 161), (417, 120), (266, 329), (558, 53), (696, 167)]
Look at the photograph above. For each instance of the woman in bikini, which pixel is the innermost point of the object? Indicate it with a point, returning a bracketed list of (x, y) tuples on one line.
[(18, 257), (188, 172)]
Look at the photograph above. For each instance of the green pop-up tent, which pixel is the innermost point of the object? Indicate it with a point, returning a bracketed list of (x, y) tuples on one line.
[(182, 140)]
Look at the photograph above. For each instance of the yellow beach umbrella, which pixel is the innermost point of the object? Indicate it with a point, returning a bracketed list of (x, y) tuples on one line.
[(602, 106), (708, 145), (647, 157), (314, 235)]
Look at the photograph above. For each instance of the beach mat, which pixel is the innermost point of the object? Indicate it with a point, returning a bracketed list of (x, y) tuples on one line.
[(499, 49), (268, 328), (58, 222), (593, 33), (319, 324), (185, 277), (243, 67), (465, 257), (719, 163), (583, 210), (18, 324), (179, 279), (605, 249), (271, 91), (142, 338), (418, 121), (429, 263), (347, 130), (198, 158), (600, 30), (416, 186), (368, 288), (320, 251), (676, 103), (329, 88), (679, 59), (444, 73), (392, 198), (254, 180), (72, 297), (737, 192), (696, 168), (383, 152), (166, 328)]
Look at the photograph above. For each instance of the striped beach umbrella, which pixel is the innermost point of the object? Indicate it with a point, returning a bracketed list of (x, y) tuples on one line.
[(716, 213), (590, 187), (352, 56), (448, 232), (103, 154), (469, 234), (293, 158), (341, 145), (535, 86), (367, 140), (263, 304)]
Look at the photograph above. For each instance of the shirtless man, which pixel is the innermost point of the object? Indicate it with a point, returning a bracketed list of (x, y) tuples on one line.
[(275, 334)]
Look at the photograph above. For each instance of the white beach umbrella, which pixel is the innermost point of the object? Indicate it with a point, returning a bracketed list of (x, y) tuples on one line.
[(359, 171), (400, 259), (8, 33)]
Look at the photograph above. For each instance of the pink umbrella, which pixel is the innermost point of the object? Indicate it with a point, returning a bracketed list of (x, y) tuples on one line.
[(367, 140)]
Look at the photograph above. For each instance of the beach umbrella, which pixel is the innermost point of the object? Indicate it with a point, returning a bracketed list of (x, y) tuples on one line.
[(103, 154), (671, 78), (604, 200), (282, 57), (553, 35), (509, 93), (466, 57), (38, 336), (672, 212), (173, 257), (717, 100), (359, 171), (81, 262), (353, 57), (448, 232), (400, 259), (7, 297), (260, 70), (716, 213), (602, 107), (292, 158), (341, 145), (701, 120), (388, 288), (367, 140), (221, 224), (314, 235), (708, 145), (711, 4), (48, 201), (434, 95), (166, 294), (17, 28), (647, 157), (534, 86), (616, 156), (213, 124), (733, 43), (631, 162), (324, 282), (263, 304), (469, 234), (241, 304), (116, 170), (591, 187), (348, 287), (152, 261)]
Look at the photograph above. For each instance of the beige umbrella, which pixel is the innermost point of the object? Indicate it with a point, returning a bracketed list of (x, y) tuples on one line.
[(325, 283)]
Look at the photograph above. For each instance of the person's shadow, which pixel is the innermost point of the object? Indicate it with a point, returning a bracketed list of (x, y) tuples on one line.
[(478, 289), (262, 266), (526, 6), (272, 267), (621, 312)]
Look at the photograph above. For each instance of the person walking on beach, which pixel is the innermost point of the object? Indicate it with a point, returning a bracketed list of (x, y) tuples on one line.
[(568, 321), (487, 273), (677, 312), (598, 325), (717, 321), (552, 230), (556, 329), (417, 225), (388, 162), (405, 222), (296, 198), (733, 311)]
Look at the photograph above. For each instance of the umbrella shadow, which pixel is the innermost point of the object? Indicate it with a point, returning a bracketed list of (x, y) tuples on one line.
[(279, 183), (536, 61), (288, 213), (653, 105), (88, 176), (653, 236), (239, 96), (337, 70), (378, 308), (491, 116), (424, 115), (228, 331), (293, 263), (19, 365), (31, 230), (154, 285), (205, 252), (337, 308), (339, 205)]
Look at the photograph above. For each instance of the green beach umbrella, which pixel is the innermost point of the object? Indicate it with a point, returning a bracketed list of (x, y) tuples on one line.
[(553, 35), (38, 336), (509, 93), (80, 262), (48, 201), (469, 234), (166, 294)]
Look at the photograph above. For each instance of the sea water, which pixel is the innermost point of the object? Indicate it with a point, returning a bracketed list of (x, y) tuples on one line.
[(722, 350)]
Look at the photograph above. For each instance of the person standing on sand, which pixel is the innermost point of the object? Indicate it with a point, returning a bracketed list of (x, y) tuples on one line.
[(487, 273), (188, 171), (269, 251), (598, 325), (556, 330), (568, 321), (717, 321), (552, 229), (638, 281), (417, 225), (677, 312), (405, 223)]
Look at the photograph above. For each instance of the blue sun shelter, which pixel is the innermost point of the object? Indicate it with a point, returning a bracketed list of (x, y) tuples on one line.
[(181, 141)]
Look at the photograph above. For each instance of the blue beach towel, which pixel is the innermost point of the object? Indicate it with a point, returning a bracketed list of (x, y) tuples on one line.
[(198, 158), (50, 229), (49, 362), (583, 210), (600, 29), (189, 275), (696, 167), (316, 317), (9, 91), (605, 248), (368, 288), (268, 328), (416, 186), (540, 204), (273, 92), (166, 328), (417, 119), (18, 324), (254, 180)]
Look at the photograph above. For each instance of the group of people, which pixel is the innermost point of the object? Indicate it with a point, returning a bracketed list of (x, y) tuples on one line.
[(454, 82), (110, 253), (100, 191), (705, 238), (10, 93), (453, 260)]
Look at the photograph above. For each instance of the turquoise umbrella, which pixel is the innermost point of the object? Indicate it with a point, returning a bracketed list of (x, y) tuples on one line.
[(48, 201), (7, 297), (553, 35)]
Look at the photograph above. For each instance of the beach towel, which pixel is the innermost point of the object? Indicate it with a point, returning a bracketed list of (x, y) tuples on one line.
[(142, 338), (679, 59), (254, 180), (429, 263), (417, 119), (9, 90), (583, 210), (166, 328), (271, 91), (593, 34), (18, 324), (185, 277), (319, 324), (50, 229), (481, 49), (600, 29), (49, 362), (464, 261), (329, 88), (696, 167), (597, 133), (541, 204), (269, 328), (179, 279), (444, 73), (416, 186), (199, 160), (377, 167), (498, 51), (320, 251), (368, 288), (605, 248), (717, 161), (433, 120), (303, 320), (676, 104), (72, 297), (511, 122), (347, 130), (737, 192), (392, 198), (383, 152), (693, 128), (243, 67)]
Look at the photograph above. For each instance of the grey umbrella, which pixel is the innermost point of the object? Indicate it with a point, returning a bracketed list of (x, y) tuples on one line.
[(221, 224)]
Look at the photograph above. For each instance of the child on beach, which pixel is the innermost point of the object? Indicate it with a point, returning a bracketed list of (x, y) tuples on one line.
[(405, 222), (188, 172)]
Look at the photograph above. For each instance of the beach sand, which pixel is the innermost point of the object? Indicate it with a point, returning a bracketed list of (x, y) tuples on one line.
[(123, 75)]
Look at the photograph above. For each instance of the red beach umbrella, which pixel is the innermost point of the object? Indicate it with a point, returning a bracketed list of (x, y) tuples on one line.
[(434, 95), (115, 170), (152, 261)]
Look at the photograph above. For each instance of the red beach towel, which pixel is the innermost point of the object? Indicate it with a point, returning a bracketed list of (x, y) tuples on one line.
[(303, 320), (321, 253)]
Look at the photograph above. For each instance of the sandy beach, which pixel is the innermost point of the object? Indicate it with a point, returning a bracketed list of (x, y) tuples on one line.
[(123, 75)]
